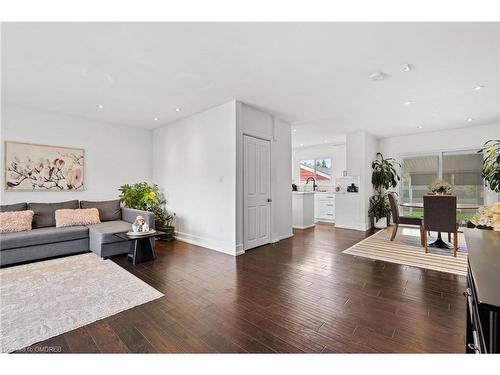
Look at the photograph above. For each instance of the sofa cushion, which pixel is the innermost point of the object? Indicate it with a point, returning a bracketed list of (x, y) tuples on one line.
[(45, 212), (105, 232), (108, 210), (14, 207), (42, 236)]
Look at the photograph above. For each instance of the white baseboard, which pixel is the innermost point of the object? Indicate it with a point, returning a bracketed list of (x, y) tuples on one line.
[(306, 227), (360, 228), (239, 249), (207, 243), (277, 237), (219, 246)]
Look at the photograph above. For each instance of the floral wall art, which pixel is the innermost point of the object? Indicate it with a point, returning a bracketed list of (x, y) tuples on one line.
[(31, 167)]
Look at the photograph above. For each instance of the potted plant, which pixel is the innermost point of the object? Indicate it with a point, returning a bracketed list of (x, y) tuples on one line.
[(491, 165), (384, 177), (143, 196), (165, 222), (440, 187)]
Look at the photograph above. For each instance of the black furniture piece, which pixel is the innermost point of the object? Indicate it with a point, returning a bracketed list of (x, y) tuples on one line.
[(141, 251), (483, 291), (403, 220), (440, 215)]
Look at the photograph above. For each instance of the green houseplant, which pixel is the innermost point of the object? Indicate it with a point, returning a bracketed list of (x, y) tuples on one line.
[(384, 177), (491, 165), (143, 196)]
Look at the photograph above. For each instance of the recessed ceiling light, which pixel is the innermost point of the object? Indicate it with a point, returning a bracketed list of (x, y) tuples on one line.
[(406, 67), (177, 110), (378, 76), (100, 106), (478, 87), (420, 127), (408, 102), (156, 119), (326, 141), (470, 119)]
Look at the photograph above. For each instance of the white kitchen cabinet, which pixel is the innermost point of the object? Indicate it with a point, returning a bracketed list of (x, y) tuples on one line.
[(324, 207)]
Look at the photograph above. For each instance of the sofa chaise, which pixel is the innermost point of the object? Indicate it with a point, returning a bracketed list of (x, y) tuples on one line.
[(47, 241)]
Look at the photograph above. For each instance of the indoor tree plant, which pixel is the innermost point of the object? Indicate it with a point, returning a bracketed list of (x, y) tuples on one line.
[(143, 196), (491, 165), (488, 217), (384, 176)]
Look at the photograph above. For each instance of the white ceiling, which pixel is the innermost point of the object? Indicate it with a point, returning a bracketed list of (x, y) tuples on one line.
[(314, 75)]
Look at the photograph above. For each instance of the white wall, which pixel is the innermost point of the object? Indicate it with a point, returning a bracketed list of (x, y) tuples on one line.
[(471, 138), (361, 151), (194, 163), (114, 155), (257, 123), (337, 152)]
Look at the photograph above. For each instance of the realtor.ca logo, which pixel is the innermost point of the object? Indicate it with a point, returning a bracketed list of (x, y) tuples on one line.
[(41, 349)]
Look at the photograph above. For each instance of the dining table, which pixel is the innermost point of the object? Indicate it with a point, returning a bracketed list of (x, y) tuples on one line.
[(439, 241)]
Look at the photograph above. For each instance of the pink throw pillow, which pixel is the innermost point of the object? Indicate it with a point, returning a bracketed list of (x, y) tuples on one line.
[(15, 221), (80, 216)]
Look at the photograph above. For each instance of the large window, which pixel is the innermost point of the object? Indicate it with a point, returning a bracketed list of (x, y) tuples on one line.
[(462, 170), (320, 169)]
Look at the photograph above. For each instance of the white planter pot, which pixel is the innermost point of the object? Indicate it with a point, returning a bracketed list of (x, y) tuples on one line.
[(381, 223)]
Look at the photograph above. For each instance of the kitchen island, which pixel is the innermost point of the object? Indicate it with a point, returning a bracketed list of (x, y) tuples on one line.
[(303, 209)]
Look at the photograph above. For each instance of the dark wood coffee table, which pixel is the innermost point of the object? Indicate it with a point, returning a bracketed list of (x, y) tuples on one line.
[(142, 250)]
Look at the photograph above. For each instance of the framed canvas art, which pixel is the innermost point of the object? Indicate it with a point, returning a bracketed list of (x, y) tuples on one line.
[(32, 167)]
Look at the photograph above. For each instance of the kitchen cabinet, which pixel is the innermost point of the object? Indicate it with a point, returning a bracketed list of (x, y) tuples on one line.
[(324, 207)]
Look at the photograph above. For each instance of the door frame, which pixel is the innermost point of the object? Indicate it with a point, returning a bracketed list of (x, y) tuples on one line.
[(271, 189)]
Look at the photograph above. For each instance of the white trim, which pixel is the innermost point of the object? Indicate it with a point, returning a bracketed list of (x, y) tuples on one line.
[(278, 238), (359, 228), (208, 243), (306, 227), (239, 249)]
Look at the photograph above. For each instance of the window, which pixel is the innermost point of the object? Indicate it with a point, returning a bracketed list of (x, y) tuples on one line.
[(319, 169), (417, 174), (462, 170)]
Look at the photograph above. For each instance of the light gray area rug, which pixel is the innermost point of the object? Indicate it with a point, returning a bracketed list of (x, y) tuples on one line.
[(44, 299), (406, 249)]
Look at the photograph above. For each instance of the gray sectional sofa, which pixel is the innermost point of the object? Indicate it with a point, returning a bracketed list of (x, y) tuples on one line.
[(47, 241)]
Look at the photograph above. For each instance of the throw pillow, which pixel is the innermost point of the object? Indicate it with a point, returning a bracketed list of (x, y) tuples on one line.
[(67, 217), (15, 221)]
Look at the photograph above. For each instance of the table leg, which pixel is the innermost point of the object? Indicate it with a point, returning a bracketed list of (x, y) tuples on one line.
[(440, 243), (143, 252)]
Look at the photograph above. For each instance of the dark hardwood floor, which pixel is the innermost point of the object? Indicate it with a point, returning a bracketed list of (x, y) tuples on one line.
[(299, 295)]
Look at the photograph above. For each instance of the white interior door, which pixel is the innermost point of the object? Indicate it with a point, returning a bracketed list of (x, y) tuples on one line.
[(256, 192)]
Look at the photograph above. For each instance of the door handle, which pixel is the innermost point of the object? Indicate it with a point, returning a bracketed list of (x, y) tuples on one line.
[(269, 200)]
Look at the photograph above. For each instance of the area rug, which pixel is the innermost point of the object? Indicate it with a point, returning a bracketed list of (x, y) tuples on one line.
[(406, 249), (44, 299)]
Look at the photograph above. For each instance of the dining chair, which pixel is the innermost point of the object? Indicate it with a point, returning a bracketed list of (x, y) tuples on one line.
[(440, 215), (403, 220)]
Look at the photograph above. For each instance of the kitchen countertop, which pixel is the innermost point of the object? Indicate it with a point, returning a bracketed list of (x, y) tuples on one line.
[(303, 192)]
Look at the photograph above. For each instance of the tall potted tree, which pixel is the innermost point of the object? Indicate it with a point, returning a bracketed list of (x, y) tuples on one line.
[(143, 196), (491, 165), (384, 176), (488, 217)]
